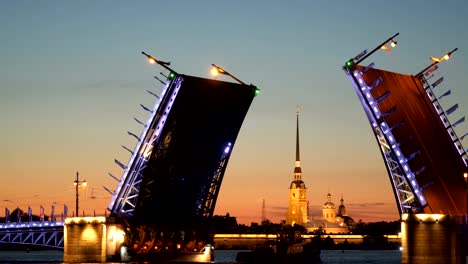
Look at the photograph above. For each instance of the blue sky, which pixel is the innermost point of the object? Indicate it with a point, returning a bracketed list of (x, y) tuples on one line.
[(72, 77)]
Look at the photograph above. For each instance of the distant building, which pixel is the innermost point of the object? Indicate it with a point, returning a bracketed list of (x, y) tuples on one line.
[(328, 210), (342, 208), (332, 221), (297, 204)]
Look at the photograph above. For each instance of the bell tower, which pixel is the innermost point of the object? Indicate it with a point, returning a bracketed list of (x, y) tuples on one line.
[(297, 204)]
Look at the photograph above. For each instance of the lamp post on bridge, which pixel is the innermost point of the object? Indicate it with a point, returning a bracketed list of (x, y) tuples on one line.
[(218, 70), (436, 61), (77, 184)]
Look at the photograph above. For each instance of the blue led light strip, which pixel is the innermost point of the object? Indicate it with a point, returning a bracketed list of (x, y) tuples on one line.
[(443, 117), (124, 198), (206, 201), (401, 174), (390, 138)]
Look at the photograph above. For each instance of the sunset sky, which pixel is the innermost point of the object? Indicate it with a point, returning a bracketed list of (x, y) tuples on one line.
[(72, 77)]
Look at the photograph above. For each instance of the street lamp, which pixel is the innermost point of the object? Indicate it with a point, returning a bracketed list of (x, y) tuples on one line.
[(218, 70), (445, 57), (164, 64), (77, 184), (362, 56), (436, 61), (392, 45)]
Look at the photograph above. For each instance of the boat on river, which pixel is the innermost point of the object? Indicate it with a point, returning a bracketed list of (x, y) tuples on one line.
[(283, 252)]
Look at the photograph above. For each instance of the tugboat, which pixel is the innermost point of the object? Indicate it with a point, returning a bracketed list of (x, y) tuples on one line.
[(285, 250), (146, 244)]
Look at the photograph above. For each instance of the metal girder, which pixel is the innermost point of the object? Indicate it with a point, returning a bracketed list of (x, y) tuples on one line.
[(125, 196), (207, 200), (402, 189), (409, 197), (443, 116), (34, 234)]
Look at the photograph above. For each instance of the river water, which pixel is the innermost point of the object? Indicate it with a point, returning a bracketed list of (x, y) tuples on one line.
[(223, 256)]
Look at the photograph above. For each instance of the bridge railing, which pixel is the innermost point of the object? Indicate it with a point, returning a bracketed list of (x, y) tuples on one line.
[(35, 224)]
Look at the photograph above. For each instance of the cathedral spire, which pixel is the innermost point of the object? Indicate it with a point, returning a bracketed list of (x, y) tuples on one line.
[(297, 204), (297, 168), (297, 134)]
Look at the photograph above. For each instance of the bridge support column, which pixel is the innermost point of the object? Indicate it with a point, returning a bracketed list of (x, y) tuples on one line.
[(433, 238), (91, 239)]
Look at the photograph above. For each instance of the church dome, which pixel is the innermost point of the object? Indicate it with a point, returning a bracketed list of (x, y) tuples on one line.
[(328, 204), (341, 210), (297, 184), (342, 207)]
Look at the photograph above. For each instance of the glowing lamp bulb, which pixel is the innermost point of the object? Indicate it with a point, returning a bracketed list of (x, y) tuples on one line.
[(446, 57), (393, 44), (214, 71), (151, 60)]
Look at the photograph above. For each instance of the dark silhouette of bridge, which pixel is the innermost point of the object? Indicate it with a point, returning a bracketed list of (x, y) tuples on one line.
[(167, 193), (168, 190)]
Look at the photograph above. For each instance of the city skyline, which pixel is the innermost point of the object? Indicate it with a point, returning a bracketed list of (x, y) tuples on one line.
[(73, 77)]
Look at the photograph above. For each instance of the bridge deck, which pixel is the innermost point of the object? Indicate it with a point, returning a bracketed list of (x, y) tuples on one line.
[(423, 132)]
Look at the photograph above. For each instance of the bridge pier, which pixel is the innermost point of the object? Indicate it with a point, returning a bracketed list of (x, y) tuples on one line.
[(433, 238), (91, 239)]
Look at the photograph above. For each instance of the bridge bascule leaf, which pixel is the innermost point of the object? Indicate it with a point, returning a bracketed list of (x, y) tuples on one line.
[(422, 153), (172, 180)]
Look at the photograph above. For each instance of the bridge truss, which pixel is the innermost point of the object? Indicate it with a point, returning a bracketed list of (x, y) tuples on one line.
[(45, 234), (423, 155), (171, 182), (124, 199), (409, 196)]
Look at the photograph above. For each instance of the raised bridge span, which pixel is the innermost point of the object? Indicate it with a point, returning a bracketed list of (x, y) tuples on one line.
[(167, 192), (172, 179), (425, 159)]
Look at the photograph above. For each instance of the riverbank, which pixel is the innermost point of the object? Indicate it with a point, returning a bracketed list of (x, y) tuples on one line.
[(224, 256), (329, 242)]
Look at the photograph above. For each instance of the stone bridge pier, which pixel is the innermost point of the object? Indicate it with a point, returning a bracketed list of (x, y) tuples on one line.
[(92, 239), (433, 238)]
